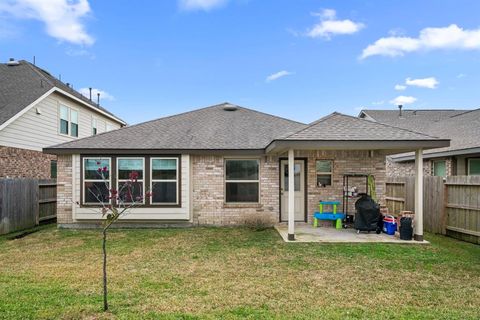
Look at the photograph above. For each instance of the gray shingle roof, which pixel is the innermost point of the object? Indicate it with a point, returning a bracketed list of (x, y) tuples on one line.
[(416, 120), (340, 127), (211, 128), (22, 84)]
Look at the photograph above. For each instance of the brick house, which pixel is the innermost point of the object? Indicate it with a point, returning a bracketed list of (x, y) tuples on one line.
[(462, 127), (213, 166), (37, 110)]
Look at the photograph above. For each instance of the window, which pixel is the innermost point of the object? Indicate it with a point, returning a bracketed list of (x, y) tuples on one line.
[(95, 189), (74, 123), (164, 180), (242, 181), (94, 126), (439, 168), (474, 166), (129, 191), (324, 173), (53, 169), (68, 121), (63, 120)]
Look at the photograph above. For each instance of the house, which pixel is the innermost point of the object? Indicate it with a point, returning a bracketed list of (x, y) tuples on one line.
[(462, 127), (36, 111), (213, 166)]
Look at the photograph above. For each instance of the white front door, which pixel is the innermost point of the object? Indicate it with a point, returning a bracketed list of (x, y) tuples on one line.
[(299, 171)]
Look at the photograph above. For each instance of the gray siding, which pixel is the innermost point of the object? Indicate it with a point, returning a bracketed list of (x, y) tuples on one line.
[(35, 131)]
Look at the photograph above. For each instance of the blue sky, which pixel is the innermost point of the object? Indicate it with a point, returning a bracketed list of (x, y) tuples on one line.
[(299, 59)]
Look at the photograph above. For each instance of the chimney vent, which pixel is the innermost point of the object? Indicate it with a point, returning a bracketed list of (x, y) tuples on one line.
[(98, 98), (400, 110), (90, 89)]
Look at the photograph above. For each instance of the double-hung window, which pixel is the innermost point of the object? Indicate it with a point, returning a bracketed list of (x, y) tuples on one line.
[(68, 121), (64, 119), (164, 181), (96, 180), (474, 167), (130, 180), (324, 172), (242, 183)]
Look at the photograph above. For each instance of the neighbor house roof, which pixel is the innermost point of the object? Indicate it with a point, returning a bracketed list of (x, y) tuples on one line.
[(230, 127), (462, 127), (22, 84)]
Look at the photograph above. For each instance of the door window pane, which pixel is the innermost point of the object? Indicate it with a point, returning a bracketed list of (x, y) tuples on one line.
[(297, 171)]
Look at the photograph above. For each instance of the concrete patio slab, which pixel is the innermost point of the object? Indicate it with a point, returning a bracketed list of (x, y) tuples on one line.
[(307, 233)]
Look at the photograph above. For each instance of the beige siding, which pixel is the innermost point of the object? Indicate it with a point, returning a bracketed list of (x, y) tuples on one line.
[(35, 131)]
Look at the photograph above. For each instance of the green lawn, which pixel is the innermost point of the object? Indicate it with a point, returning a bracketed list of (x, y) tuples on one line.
[(231, 273)]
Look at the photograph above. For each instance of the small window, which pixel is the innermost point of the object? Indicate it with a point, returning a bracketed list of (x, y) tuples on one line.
[(96, 180), (164, 181), (324, 172), (74, 123), (439, 168), (474, 167), (129, 169), (64, 120), (94, 126), (242, 182), (53, 169)]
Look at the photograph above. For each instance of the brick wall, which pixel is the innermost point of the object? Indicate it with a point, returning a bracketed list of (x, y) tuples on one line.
[(64, 189), (401, 169), (23, 163)]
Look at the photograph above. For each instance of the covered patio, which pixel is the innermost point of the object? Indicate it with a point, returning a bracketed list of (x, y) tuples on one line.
[(338, 132)]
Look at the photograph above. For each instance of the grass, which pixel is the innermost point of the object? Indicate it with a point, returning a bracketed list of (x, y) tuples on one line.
[(233, 273)]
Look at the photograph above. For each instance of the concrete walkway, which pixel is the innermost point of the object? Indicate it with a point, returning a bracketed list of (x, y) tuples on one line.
[(307, 233)]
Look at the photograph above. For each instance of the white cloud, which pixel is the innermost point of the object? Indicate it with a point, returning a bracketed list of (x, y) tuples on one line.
[(277, 75), (403, 100), (430, 83), (451, 37), (461, 75), (205, 5), (62, 18), (378, 103), (103, 94), (400, 87), (330, 26)]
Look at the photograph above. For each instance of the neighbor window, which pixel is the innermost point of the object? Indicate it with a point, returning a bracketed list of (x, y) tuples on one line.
[(164, 181), (474, 167), (129, 169), (324, 172), (53, 169), (64, 120), (95, 186), (439, 168), (68, 121), (242, 180), (94, 126)]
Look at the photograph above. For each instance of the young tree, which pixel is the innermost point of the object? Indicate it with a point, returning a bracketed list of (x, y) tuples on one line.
[(115, 204)]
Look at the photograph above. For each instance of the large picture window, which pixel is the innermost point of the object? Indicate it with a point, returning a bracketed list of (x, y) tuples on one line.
[(164, 180), (242, 182), (129, 169), (95, 186)]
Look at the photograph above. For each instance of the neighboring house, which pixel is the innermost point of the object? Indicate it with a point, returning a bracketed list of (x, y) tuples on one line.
[(462, 127), (214, 166), (36, 111)]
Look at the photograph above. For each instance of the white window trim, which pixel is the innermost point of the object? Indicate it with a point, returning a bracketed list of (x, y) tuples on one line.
[(176, 180), (125, 180), (324, 173), (468, 166), (433, 167), (225, 181), (95, 180), (69, 120)]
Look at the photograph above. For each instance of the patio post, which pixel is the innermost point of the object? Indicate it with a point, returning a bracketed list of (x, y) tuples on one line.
[(418, 234), (291, 195)]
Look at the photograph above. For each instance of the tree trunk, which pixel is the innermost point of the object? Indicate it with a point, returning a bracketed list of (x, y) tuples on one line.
[(104, 245)]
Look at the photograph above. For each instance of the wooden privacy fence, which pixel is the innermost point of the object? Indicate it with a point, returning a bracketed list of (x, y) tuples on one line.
[(450, 206), (24, 203)]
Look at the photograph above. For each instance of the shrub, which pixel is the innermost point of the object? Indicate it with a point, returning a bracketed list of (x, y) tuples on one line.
[(257, 221)]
